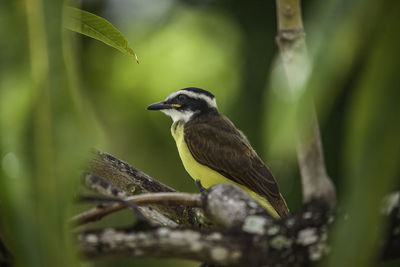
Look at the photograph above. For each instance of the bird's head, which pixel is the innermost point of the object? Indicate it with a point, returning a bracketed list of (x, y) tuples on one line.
[(184, 103)]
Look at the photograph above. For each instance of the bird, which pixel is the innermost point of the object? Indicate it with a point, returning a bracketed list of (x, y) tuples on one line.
[(213, 151)]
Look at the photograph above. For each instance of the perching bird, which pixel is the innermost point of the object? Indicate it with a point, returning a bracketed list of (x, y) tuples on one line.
[(214, 151)]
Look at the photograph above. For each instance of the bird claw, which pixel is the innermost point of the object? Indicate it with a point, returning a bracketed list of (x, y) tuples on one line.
[(199, 185)]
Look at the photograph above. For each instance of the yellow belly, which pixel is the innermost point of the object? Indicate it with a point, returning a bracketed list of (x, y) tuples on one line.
[(208, 177)]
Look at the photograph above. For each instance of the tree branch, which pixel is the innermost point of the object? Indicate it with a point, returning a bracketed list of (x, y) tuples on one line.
[(167, 199), (192, 244), (259, 241), (254, 240), (250, 235), (103, 187), (316, 183), (124, 176), (134, 181), (213, 201)]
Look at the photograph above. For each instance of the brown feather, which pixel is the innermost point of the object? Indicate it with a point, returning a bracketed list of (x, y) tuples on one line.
[(214, 141)]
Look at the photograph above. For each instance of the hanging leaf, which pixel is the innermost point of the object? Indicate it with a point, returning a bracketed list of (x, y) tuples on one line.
[(91, 25)]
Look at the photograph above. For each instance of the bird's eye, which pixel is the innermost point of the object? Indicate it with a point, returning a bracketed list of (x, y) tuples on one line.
[(182, 98)]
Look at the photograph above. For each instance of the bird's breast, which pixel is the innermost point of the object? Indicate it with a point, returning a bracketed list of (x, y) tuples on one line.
[(208, 177)]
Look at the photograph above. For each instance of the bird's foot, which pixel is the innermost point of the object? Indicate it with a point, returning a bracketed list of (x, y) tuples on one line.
[(199, 185)]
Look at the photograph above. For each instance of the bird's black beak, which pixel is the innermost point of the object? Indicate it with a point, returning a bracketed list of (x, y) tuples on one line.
[(158, 106), (162, 105)]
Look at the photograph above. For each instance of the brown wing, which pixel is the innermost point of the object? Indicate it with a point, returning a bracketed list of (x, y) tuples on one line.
[(216, 143)]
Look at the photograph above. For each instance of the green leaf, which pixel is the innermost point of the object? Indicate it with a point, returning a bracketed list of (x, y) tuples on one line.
[(91, 25)]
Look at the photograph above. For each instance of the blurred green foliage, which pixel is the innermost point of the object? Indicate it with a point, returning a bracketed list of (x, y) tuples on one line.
[(61, 94)]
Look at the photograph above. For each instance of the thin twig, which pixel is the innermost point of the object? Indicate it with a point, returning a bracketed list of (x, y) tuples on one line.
[(167, 199), (103, 187)]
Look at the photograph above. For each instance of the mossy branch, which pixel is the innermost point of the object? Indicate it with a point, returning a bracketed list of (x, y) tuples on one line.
[(241, 231)]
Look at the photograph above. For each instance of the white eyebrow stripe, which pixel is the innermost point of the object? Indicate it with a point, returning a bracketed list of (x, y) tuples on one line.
[(211, 102)]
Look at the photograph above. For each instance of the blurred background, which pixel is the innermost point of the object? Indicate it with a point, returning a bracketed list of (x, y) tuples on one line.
[(62, 94)]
